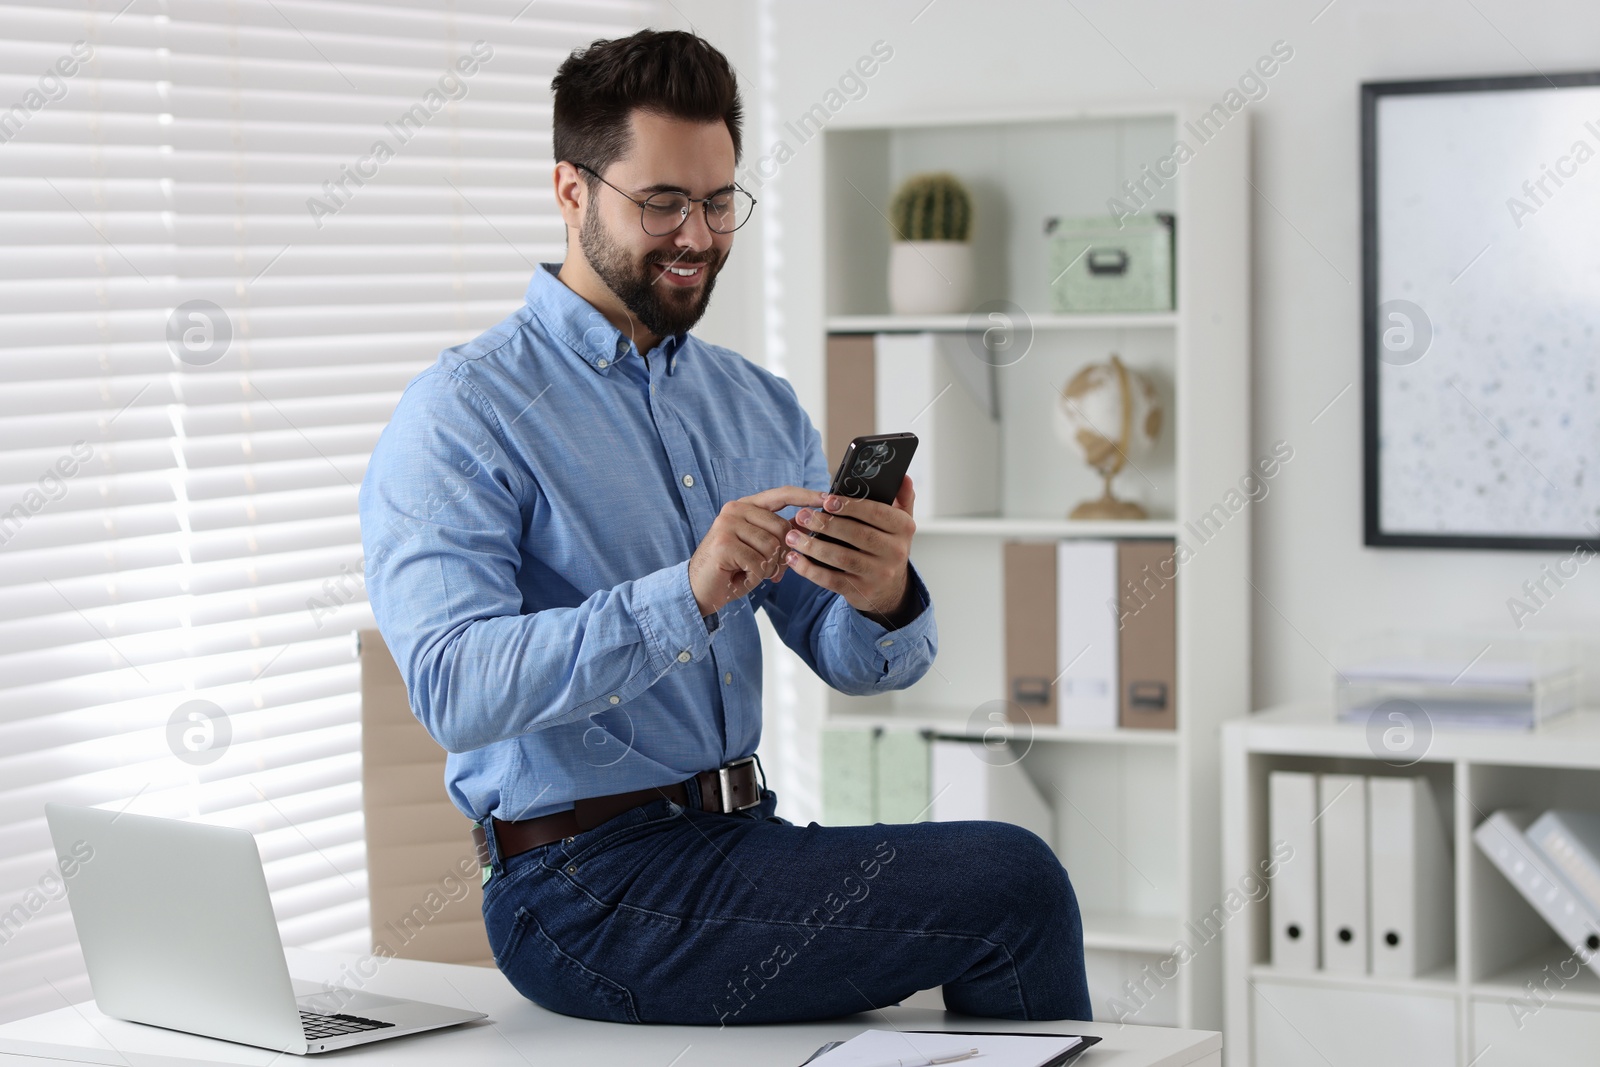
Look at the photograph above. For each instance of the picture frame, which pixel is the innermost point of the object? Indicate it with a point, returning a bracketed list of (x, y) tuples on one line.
[(1476, 431)]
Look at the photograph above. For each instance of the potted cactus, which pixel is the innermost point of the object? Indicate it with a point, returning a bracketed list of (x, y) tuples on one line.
[(930, 260)]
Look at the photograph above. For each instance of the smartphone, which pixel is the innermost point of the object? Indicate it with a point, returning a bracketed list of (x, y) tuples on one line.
[(873, 467)]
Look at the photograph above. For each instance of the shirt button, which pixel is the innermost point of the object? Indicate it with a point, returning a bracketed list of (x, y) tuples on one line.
[(615, 699), (727, 678), (602, 362), (886, 644), (683, 657), (688, 480)]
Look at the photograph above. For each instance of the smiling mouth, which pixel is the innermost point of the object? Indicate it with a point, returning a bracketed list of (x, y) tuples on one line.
[(680, 274)]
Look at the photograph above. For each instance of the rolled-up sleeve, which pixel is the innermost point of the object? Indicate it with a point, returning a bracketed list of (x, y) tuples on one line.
[(442, 509)]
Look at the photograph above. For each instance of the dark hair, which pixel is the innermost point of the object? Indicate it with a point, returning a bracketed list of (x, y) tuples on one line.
[(666, 72)]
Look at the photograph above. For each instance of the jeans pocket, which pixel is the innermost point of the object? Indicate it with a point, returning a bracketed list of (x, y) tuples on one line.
[(629, 826), (547, 975)]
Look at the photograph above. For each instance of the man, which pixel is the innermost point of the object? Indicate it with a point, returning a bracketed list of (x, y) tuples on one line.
[(569, 525)]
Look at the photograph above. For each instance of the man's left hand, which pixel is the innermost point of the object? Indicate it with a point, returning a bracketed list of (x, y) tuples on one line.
[(873, 573)]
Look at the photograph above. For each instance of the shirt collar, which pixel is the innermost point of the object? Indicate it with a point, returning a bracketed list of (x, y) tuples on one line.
[(574, 320)]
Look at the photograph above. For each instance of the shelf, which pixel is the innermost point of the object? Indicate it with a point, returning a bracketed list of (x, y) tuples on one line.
[(1546, 970), (949, 724), (1440, 980), (1132, 320), (1118, 932), (1309, 728), (1001, 526)]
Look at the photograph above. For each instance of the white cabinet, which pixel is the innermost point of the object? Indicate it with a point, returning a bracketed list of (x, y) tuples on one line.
[(1533, 1037), (1294, 1024), (1510, 992)]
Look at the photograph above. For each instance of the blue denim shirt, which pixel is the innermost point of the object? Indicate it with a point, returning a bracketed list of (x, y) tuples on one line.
[(527, 518)]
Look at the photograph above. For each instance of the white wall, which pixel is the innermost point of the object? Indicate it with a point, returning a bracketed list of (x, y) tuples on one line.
[(1317, 584), (735, 316)]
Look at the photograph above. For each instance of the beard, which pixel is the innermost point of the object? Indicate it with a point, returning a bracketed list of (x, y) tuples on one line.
[(662, 308)]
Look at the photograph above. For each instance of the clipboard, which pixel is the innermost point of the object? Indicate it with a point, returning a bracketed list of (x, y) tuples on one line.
[(1063, 1060)]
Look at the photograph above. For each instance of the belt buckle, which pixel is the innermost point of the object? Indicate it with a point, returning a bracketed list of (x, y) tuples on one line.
[(722, 777)]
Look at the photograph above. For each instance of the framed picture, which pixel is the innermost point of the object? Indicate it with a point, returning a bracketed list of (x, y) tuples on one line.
[(1481, 312)]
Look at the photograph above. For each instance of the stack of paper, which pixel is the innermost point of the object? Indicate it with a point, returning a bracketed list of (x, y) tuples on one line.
[(1504, 694)]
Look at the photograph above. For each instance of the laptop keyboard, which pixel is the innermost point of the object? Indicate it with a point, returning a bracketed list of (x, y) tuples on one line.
[(317, 1025)]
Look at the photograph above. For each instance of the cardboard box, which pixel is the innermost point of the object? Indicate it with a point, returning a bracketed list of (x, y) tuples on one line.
[(423, 887)]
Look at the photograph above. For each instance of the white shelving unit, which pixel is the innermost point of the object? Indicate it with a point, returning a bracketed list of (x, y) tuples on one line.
[(1476, 1010), (994, 526), (1038, 320), (1137, 811)]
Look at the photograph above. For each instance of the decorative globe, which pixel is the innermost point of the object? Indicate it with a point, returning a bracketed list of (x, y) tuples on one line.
[(1112, 416)]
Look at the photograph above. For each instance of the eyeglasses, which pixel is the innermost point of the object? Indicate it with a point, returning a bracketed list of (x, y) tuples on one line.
[(662, 213)]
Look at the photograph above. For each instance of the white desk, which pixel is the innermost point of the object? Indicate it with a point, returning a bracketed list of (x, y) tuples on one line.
[(519, 1033)]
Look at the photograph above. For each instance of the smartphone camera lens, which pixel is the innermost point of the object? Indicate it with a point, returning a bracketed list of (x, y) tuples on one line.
[(872, 459)]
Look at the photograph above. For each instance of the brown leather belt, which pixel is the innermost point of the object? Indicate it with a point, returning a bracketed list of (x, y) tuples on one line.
[(732, 787)]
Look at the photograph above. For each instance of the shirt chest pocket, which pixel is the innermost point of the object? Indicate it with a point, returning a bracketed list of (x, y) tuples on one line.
[(740, 476)]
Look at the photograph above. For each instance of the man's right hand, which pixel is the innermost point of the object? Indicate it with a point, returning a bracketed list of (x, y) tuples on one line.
[(744, 546)]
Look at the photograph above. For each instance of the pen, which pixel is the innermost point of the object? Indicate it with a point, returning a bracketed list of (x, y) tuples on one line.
[(924, 1061)]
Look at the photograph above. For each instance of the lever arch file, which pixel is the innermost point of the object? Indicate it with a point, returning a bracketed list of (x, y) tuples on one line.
[(1413, 894), (1292, 807), (1342, 804)]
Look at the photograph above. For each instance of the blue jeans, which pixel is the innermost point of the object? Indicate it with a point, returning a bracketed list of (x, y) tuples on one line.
[(669, 914)]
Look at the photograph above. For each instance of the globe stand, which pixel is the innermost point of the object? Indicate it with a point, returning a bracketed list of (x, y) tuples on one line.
[(1108, 507), (1108, 457)]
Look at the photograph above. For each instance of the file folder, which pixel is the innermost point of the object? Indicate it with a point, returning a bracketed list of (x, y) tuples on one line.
[(1342, 808), (1501, 837), (933, 385), (972, 780), (1147, 635), (852, 392), (1412, 891), (901, 781), (1570, 841), (1086, 634), (848, 755), (1291, 809), (1030, 631)]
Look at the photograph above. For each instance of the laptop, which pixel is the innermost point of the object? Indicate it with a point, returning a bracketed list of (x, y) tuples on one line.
[(177, 930)]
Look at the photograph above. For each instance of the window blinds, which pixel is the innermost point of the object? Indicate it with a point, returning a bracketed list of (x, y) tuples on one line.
[(230, 232)]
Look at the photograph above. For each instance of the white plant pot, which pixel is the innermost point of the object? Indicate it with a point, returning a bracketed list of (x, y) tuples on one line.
[(930, 277)]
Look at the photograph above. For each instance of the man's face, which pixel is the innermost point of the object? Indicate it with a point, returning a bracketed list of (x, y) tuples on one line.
[(664, 281)]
